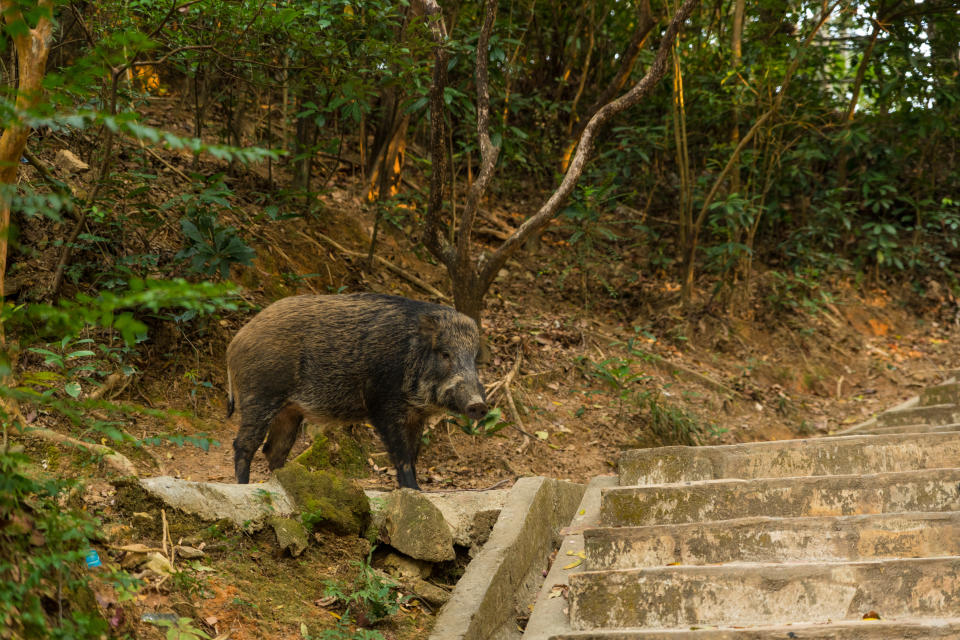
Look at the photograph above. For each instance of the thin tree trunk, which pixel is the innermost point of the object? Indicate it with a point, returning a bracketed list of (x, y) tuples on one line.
[(33, 47)]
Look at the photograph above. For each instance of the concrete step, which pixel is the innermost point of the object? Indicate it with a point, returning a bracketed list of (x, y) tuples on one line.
[(907, 428), (929, 490), (906, 629), (822, 539), (757, 594), (790, 458), (946, 393), (935, 414)]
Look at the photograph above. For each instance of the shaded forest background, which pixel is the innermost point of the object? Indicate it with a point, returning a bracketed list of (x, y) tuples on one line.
[(606, 186)]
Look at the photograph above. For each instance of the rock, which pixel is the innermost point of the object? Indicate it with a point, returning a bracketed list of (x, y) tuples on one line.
[(189, 553), (246, 505), (68, 162), (414, 526), (117, 533), (433, 594), (326, 500), (469, 514), (404, 568), (290, 535), (157, 563)]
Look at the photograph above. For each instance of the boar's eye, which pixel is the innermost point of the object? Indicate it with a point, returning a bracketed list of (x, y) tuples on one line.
[(445, 356)]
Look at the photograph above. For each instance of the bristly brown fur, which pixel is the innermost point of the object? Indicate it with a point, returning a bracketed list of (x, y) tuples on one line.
[(386, 359)]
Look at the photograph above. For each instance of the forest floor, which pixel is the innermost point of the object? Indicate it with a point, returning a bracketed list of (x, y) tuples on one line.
[(594, 367)]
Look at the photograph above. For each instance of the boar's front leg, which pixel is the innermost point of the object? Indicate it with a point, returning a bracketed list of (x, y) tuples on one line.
[(401, 431)]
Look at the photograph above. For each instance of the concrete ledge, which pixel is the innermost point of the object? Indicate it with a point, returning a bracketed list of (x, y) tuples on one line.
[(763, 539), (930, 490), (501, 580), (790, 458), (549, 615), (764, 594), (903, 629)]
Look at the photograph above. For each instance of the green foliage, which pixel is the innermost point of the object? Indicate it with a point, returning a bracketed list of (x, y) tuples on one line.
[(618, 375), (211, 247), (489, 425), (670, 424), (372, 595), (180, 629), (43, 577)]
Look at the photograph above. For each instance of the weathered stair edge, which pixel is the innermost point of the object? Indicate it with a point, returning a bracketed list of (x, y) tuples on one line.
[(503, 578), (549, 615), (904, 629), (871, 423)]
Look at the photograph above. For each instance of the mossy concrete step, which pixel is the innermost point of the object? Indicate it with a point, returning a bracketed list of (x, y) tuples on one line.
[(823, 539), (946, 393), (933, 415), (929, 490), (756, 594), (908, 428), (789, 458), (912, 629)]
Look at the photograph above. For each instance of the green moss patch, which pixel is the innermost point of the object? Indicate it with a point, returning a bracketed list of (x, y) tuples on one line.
[(326, 500), (337, 450)]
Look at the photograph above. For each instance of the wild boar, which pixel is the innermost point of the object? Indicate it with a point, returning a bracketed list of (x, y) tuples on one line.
[(388, 360)]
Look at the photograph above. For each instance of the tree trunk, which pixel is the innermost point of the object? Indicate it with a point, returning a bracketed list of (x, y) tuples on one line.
[(33, 47)]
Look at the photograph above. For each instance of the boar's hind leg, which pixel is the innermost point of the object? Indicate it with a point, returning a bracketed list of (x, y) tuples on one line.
[(283, 433), (253, 427)]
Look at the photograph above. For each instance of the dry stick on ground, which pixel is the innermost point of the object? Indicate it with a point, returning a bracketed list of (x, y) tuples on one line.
[(504, 385), (389, 265), (117, 461)]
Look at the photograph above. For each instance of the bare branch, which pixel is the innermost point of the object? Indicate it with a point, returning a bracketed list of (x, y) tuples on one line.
[(550, 208), (488, 152)]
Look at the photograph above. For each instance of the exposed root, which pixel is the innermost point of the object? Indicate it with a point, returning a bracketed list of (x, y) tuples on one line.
[(116, 461)]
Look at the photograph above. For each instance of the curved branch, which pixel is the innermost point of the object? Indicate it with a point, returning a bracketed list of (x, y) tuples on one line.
[(551, 207), (488, 152)]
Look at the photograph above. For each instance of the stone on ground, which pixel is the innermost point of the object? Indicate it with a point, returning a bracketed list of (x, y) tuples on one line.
[(414, 526)]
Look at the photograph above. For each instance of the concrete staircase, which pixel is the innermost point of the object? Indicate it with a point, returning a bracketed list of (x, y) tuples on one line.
[(849, 537)]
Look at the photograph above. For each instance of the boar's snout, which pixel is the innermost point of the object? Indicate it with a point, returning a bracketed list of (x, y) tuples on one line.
[(477, 410)]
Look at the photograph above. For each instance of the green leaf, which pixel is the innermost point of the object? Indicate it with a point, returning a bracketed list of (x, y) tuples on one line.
[(73, 389)]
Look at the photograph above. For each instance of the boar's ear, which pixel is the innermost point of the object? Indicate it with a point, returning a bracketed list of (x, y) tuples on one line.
[(430, 327)]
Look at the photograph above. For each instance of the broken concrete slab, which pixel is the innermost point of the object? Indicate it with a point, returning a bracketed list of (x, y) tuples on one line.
[(946, 393), (291, 536), (908, 428), (790, 458), (938, 414), (502, 579), (246, 505)]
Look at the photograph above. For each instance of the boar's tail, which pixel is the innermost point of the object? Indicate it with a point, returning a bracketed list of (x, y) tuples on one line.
[(229, 393)]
